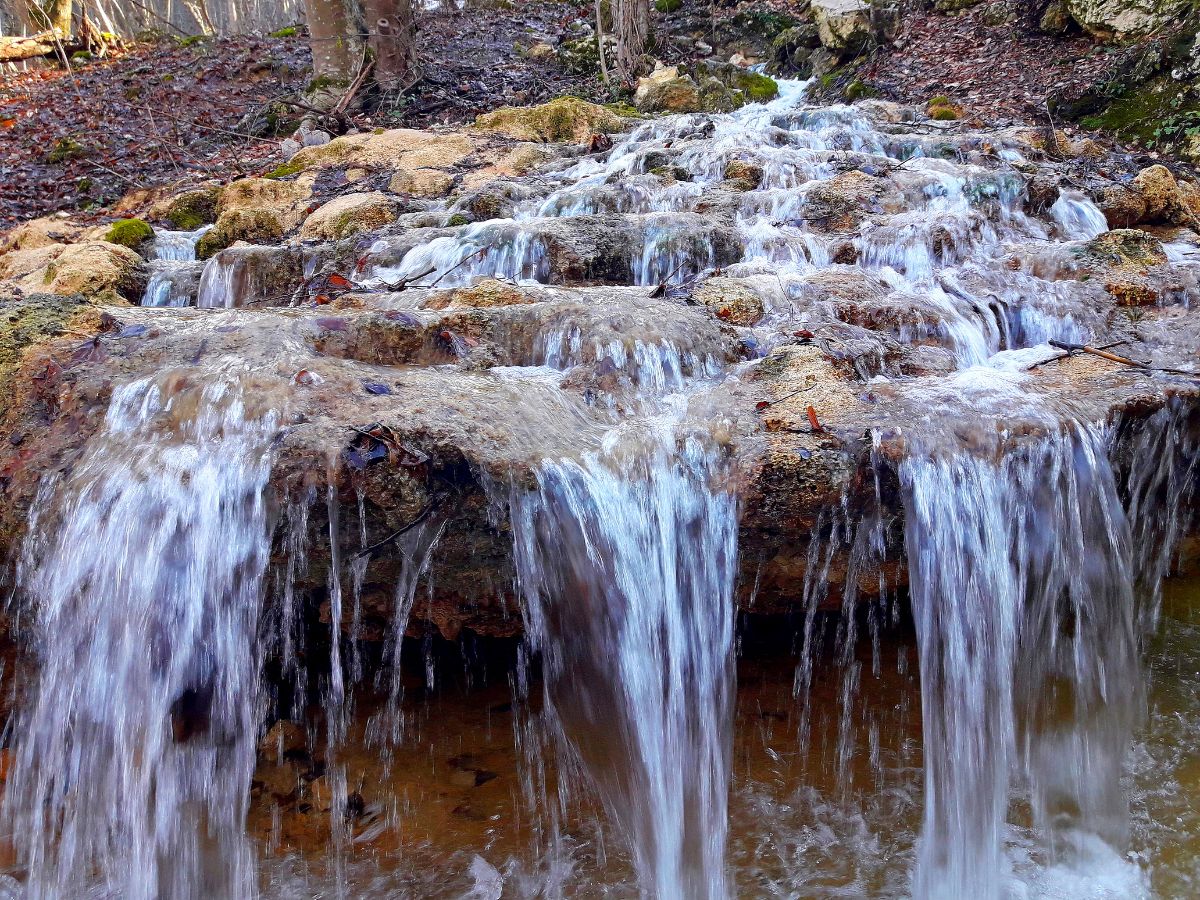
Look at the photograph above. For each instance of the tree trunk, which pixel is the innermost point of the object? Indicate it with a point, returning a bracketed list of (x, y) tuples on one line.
[(631, 27), (333, 41), (336, 27), (390, 23), (52, 15)]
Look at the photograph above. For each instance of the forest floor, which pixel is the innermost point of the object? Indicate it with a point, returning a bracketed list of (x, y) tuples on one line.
[(169, 111)]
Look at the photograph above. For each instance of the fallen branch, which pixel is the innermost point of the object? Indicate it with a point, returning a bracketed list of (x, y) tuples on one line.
[(407, 281), (426, 511), (1061, 356), (1123, 360), (661, 290), (482, 249), (16, 49)]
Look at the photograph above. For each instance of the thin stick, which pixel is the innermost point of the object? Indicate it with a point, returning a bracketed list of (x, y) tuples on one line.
[(125, 178), (482, 249), (600, 44), (405, 282), (399, 532), (1061, 356), (1123, 360)]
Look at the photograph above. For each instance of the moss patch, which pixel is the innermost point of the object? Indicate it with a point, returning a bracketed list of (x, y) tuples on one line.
[(34, 320), (286, 170), (131, 233), (758, 88), (191, 209), (289, 31), (65, 149), (562, 119), (667, 6), (255, 226)]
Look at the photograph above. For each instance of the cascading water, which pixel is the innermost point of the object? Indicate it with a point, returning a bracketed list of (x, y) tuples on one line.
[(173, 268), (1026, 583), (135, 749), (627, 568)]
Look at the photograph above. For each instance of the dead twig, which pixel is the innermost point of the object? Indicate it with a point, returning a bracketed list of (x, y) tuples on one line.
[(426, 511), (482, 249), (407, 281), (1123, 360), (661, 290)]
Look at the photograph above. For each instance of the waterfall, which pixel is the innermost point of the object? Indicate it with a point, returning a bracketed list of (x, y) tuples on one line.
[(173, 268), (1024, 576), (627, 571), (142, 571)]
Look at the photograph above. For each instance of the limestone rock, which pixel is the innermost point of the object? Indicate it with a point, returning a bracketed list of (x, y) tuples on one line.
[(743, 176), (254, 226), (842, 202), (842, 25), (730, 300), (421, 182), (189, 210), (1123, 207), (560, 120), (97, 270), (41, 232), (398, 149), (483, 294), (1119, 20), (349, 214), (665, 90), (285, 201), (1165, 200)]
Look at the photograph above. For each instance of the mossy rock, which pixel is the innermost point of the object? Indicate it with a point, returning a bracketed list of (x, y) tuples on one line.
[(757, 87), (131, 233), (742, 176), (580, 56), (190, 210), (287, 170), (1126, 248), (560, 120), (289, 31), (255, 226), (943, 114), (860, 90), (65, 149), (765, 22), (36, 319)]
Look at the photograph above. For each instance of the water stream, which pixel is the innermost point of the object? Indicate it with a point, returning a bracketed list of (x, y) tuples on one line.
[(976, 727)]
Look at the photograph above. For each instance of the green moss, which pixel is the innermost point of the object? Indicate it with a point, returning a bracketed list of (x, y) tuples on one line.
[(757, 88), (939, 100), (131, 233), (764, 21), (289, 31), (667, 6), (81, 57), (325, 83), (1158, 113), (191, 209), (457, 219), (562, 119), (286, 170), (65, 149), (860, 90), (193, 40), (580, 56), (33, 320), (943, 113), (624, 110)]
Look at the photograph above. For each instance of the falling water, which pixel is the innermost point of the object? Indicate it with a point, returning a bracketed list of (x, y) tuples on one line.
[(134, 751), (1024, 577), (628, 576), (173, 268)]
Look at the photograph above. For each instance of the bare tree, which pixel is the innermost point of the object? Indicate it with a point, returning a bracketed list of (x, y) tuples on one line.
[(631, 27), (50, 15), (337, 29)]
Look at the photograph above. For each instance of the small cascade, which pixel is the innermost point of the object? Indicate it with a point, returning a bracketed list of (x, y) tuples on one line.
[(1027, 576), (627, 569), (1077, 217), (133, 754), (173, 270)]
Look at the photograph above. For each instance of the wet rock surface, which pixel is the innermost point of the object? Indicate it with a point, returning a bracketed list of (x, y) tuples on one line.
[(804, 288)]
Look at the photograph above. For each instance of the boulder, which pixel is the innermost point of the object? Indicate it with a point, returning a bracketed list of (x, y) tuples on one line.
[(396, 149), (842, 25), (189, 210), (254, 226), (1121, 20), (742, 176), (349, 214), (1055, 19), (730, 300), (486, 293), (97, 270), (665, 90), (421, 182), (1165, 199), (42, 232), (257, 210), (560, 120)]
